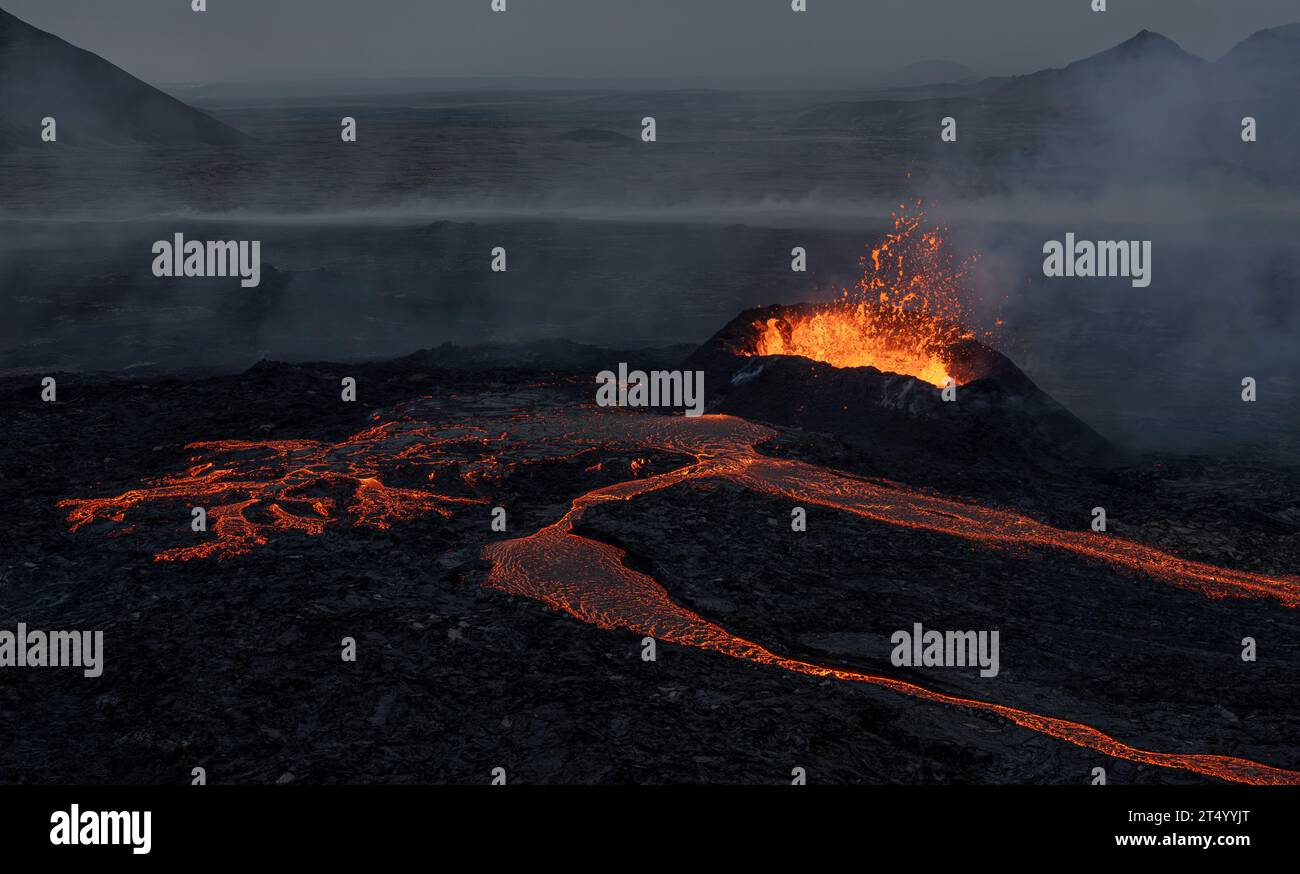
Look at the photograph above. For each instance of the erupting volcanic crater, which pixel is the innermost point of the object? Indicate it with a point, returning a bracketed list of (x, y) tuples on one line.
[(870, 374)]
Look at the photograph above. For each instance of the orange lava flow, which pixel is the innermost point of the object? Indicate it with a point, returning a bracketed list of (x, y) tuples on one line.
[(589, 580), (898, 318), (896, 505), (250, 490), (254, 490)]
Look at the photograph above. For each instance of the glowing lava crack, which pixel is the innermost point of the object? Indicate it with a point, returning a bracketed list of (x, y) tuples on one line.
[(305, 486)]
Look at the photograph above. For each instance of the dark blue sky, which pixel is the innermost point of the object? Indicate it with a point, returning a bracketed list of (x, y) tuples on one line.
[(252, 40)]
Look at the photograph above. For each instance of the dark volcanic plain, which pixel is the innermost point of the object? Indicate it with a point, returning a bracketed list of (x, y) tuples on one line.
[(233, 665)]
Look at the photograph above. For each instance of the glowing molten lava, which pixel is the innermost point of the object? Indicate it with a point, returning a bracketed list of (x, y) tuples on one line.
[(900, 317), (281, 487), (855, 336)]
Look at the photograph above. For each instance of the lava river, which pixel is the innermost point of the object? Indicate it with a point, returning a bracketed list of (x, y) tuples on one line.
[(248, 485)]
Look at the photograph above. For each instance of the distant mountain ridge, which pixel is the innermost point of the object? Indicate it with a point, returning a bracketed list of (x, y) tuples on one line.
[(91, 100), (1150, 64), (1144, 109), (1266, 56)]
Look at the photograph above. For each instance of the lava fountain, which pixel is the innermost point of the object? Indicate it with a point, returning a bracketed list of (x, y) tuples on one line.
[(902, 316)]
